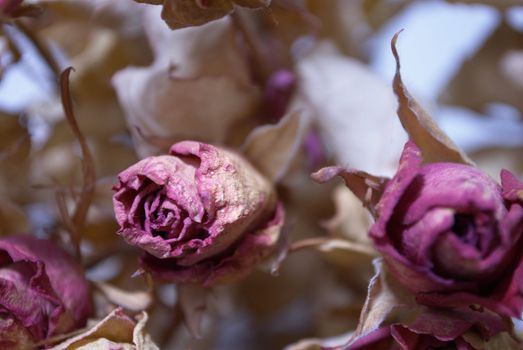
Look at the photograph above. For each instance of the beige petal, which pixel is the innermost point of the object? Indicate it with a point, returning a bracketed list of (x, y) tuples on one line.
[(434, 144), (354, 109), (186, 95), (271, 148), (117, 330)]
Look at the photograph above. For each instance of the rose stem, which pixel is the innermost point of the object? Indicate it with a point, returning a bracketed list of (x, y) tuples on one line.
[(88, 171)]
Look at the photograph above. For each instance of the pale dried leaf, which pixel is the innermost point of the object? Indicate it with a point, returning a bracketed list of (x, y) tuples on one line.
[(271, 148), (135, 301), (353, 108), (193, 303), (319, 344), (434, 144), (216, 94), (306, 344), (117, 330), (351, 220), (368, 188), (141, 339)]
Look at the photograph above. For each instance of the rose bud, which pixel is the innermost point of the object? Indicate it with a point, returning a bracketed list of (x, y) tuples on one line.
[(202, 214), (453, 235), (43, 292)]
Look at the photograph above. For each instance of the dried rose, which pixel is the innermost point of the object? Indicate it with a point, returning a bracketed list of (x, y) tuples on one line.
[(452, 235), (43, 292), (203, 214), (185, 13)]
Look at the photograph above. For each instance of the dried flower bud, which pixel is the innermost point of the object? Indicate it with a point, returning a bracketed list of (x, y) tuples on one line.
[(201, 213), (451, 234), (43, 292)]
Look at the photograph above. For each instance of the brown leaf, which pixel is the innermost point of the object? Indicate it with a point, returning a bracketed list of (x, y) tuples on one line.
[(434, 144), (368, 188), (271, 148), (193, 303), (185, 13)]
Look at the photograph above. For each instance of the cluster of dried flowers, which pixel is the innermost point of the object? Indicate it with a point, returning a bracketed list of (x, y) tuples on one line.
[(178, 187)]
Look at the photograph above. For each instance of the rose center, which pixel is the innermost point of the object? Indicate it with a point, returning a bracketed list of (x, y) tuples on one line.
[(465, 228)]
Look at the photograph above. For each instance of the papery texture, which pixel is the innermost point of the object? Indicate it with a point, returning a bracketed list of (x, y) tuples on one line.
[(116, 331), (42, 291), (183, 94), (451, 234), (202, 214), (357, 130)]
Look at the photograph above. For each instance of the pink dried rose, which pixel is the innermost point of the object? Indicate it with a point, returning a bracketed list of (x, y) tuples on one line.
[(43, 292), (452, 235), (202, 214)]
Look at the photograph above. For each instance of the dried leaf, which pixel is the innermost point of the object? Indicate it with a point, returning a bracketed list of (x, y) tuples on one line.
[(351, 220), (485, 77), (384, 296), (184, 13), (271, 148), (368, 188), (434, 144), (141, 339), (217, 94), (116, 331), (353, 108), (135, 301), (193, 303)]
